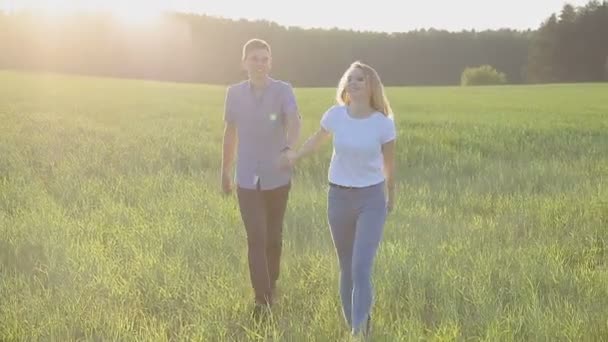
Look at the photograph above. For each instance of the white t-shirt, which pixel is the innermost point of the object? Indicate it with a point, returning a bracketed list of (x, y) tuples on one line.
[(357, 158)]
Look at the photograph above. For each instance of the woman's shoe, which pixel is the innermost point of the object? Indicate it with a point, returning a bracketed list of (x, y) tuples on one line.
[(367, 333)]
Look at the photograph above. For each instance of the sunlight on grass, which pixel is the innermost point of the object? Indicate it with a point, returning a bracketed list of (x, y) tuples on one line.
[(112, 226)]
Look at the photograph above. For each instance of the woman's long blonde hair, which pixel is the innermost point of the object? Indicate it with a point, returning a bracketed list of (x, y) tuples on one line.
[(378, 100)]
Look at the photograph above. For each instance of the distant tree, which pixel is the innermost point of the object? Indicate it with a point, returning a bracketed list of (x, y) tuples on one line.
[(571, 47), (482, 75), (542, 53)]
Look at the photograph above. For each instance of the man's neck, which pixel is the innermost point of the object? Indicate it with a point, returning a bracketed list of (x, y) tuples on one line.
[(259, 83)]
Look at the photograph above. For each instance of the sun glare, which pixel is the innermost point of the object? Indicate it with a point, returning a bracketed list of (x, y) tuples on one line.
[(129, 12), (136, 15)]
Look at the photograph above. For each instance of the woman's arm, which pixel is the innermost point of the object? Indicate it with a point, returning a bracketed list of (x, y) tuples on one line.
[(311, 145), (388, 153)]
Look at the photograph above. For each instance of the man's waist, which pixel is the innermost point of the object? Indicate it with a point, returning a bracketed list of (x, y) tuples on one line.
[(260, 163)]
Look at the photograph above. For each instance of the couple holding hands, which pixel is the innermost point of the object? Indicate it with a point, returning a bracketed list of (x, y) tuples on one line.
[(262, 126)]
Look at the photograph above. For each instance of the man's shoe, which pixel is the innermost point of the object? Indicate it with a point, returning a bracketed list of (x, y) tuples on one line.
[(260, 312), (274, 294)]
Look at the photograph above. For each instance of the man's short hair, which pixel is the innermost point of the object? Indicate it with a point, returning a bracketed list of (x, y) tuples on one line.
[(255, 44)]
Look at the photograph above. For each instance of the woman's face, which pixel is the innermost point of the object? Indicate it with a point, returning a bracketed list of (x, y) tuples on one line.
[(357, 87)]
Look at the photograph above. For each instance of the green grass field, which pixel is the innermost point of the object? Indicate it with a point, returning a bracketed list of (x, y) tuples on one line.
[(112, 225)]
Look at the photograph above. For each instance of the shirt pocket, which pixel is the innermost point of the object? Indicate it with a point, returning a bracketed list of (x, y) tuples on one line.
[(274, 118)]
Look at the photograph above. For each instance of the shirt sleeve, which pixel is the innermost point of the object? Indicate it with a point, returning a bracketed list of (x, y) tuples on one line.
[(229, 112), (388, 132), (289, 105), (328, 119)]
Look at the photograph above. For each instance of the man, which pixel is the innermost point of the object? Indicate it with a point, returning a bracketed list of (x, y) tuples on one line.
[(261, 117)]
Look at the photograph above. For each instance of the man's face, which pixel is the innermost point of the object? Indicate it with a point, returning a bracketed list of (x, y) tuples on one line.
[(257, 63)]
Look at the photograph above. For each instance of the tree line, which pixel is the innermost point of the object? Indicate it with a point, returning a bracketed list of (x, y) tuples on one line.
[(569, 47)]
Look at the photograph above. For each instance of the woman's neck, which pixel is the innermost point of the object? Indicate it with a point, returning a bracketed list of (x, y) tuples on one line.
[(360, 109)]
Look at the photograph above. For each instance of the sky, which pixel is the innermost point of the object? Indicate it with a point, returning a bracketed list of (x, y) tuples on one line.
[(374, 15)]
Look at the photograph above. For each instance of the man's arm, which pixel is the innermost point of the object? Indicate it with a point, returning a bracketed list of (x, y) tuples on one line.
[(228, 153), (292, 116), (294, 124)]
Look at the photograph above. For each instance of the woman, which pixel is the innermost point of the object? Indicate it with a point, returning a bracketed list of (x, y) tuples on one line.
[(362, 185)]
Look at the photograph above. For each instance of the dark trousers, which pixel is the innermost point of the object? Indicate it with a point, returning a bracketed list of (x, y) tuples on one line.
[(262, 212)]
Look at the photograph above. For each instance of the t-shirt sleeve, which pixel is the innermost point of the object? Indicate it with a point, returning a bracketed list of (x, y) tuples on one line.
[(289, 106), (388, 131), (328, 120), (229, 112)]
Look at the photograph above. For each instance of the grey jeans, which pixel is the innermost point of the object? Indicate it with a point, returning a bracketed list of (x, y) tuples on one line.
[(356, 218)]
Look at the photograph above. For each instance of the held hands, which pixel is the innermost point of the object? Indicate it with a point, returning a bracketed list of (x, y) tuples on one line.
[(288, 159)]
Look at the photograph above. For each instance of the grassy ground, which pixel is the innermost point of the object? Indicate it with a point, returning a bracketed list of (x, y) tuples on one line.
[(112, 226)]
